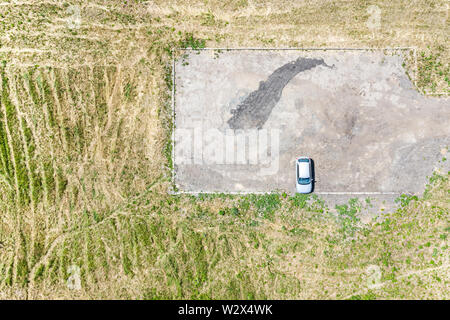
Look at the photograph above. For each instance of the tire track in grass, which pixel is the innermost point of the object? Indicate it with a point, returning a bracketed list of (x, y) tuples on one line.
[(63, 182), (4, 149), (32, 223), (49, 127), (53, 194), (39, 133), (21, 267), (11, 153)]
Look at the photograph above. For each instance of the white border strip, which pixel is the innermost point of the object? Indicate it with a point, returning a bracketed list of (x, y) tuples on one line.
[(173, 121), (281, 192), (356, 193), (299, 49)]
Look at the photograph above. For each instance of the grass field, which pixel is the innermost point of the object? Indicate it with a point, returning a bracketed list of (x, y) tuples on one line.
[(85, 160)]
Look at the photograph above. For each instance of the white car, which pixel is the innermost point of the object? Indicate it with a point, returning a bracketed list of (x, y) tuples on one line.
[(304, 178)]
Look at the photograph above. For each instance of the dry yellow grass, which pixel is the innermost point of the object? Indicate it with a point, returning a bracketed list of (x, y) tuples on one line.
[(85, 123)]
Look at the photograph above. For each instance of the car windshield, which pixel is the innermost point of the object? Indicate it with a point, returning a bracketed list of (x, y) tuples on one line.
[(303, 180)]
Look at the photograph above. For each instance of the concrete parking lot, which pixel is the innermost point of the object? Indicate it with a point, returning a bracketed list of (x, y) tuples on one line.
[(243, 116)]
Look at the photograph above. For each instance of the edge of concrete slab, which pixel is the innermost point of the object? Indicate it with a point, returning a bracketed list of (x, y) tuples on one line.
[(175, 188)]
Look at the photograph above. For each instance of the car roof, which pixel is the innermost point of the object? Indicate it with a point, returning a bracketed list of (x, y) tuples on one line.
[(303, 170)]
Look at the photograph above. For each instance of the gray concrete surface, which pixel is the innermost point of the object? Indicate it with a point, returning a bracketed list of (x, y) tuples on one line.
[(242, 118)]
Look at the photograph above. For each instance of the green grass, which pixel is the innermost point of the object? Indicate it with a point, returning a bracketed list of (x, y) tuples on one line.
[(433, 71)]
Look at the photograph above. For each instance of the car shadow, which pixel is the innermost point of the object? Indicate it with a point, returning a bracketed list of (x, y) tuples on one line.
[(313, 173)]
